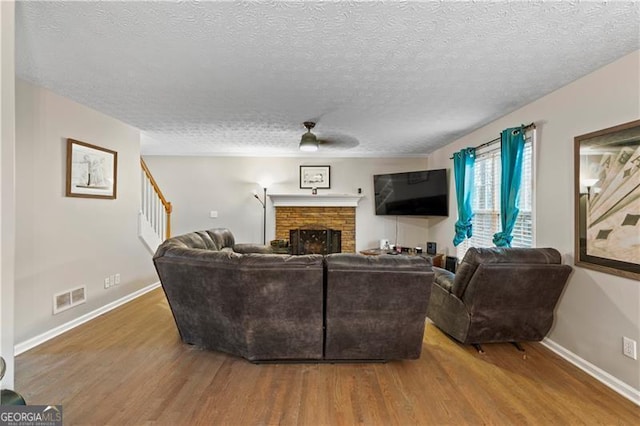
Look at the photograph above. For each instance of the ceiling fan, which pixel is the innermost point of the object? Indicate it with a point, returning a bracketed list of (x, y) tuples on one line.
[(311, 143)]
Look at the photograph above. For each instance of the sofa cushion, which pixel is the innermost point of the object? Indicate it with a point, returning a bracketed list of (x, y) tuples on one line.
[(246, 248), (191, 241), (338, 261), (207, 240), (222, 237)]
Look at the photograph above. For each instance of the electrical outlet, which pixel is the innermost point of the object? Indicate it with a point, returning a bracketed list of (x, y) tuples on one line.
[(112, 280), (106, 282), (117, 280), (213, 214), (629, 348)]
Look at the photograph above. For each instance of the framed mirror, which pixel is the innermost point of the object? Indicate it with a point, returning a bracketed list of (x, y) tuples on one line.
[(607, 200)]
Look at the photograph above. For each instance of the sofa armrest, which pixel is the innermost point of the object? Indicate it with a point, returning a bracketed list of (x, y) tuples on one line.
[(246, 248), (444, 278)]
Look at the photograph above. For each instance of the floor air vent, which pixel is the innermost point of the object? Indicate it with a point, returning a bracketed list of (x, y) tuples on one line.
[(69, 298)]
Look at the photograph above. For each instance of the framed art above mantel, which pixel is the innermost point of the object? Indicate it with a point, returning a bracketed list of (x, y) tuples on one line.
[(607, 200), (315, 177)]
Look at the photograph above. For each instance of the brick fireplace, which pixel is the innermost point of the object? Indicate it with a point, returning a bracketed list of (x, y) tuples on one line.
[(330, 211)]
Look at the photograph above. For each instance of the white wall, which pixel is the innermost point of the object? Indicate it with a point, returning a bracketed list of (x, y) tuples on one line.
[(7, 190), (64, 242), (596, 309), (197, 185)]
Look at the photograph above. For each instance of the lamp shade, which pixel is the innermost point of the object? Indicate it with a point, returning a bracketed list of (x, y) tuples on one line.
[(309, 142)]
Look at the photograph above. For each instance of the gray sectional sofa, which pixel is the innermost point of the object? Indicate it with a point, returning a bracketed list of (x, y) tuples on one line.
[(243, 300)]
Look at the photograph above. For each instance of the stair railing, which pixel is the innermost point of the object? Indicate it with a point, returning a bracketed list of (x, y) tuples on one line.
[(154, 207)]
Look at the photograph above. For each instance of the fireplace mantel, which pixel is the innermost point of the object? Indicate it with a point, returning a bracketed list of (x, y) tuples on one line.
[(320, 200)]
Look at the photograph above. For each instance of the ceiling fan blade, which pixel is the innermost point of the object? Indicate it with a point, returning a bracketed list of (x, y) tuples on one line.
[(337, 141)]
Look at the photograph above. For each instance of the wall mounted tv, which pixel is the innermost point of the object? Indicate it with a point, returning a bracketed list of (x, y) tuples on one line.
[(421, 193)]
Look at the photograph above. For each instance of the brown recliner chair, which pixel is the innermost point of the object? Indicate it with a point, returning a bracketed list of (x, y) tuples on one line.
[(499, 295)]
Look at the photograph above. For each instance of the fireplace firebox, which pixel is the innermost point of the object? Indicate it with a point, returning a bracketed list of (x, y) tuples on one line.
[(315, 240)]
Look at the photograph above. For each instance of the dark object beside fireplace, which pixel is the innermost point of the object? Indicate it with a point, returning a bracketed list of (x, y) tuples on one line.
[(315, 240)]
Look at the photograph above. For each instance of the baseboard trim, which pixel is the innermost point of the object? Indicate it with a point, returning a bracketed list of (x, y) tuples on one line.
[(48, 335), (614, 383)]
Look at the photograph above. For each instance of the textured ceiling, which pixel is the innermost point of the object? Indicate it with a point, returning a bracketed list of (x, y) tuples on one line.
[(384, 78)]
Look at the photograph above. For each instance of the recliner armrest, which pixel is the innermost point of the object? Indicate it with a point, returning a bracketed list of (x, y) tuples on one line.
[(443, 278)]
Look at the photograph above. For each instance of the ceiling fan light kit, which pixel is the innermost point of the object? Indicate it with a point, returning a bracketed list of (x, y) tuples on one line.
[(309, 142)]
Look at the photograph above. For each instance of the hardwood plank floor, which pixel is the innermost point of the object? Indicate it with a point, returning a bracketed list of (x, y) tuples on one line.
[(128, 367)]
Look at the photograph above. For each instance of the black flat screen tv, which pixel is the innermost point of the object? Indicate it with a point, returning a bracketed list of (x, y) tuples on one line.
[(420, 193)]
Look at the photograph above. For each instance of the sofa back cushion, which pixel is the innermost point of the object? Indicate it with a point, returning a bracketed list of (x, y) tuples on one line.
[(516, 257), (222, 237), (213, 239), (193, 240)]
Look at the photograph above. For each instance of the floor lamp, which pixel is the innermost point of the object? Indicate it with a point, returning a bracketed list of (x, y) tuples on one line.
[(263, 201)]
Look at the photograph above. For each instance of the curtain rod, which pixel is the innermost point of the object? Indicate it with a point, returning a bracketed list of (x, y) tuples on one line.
[(527, 127)]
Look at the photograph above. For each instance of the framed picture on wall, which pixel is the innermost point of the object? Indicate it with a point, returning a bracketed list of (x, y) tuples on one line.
[(315, 177), (607, 200), (91, 171)]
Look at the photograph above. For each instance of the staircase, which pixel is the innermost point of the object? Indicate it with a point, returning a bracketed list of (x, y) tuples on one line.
[(154, 219)]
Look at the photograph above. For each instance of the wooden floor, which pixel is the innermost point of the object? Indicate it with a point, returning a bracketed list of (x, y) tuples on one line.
[(128, 367)]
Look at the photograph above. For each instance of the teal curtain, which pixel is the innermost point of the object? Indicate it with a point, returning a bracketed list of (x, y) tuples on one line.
[(511, 151), (463, 162)]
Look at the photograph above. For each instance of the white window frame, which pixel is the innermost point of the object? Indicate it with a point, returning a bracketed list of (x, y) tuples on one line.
[(462, 248)]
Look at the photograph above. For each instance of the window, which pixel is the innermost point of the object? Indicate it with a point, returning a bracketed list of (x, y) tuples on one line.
[(486, 200)]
